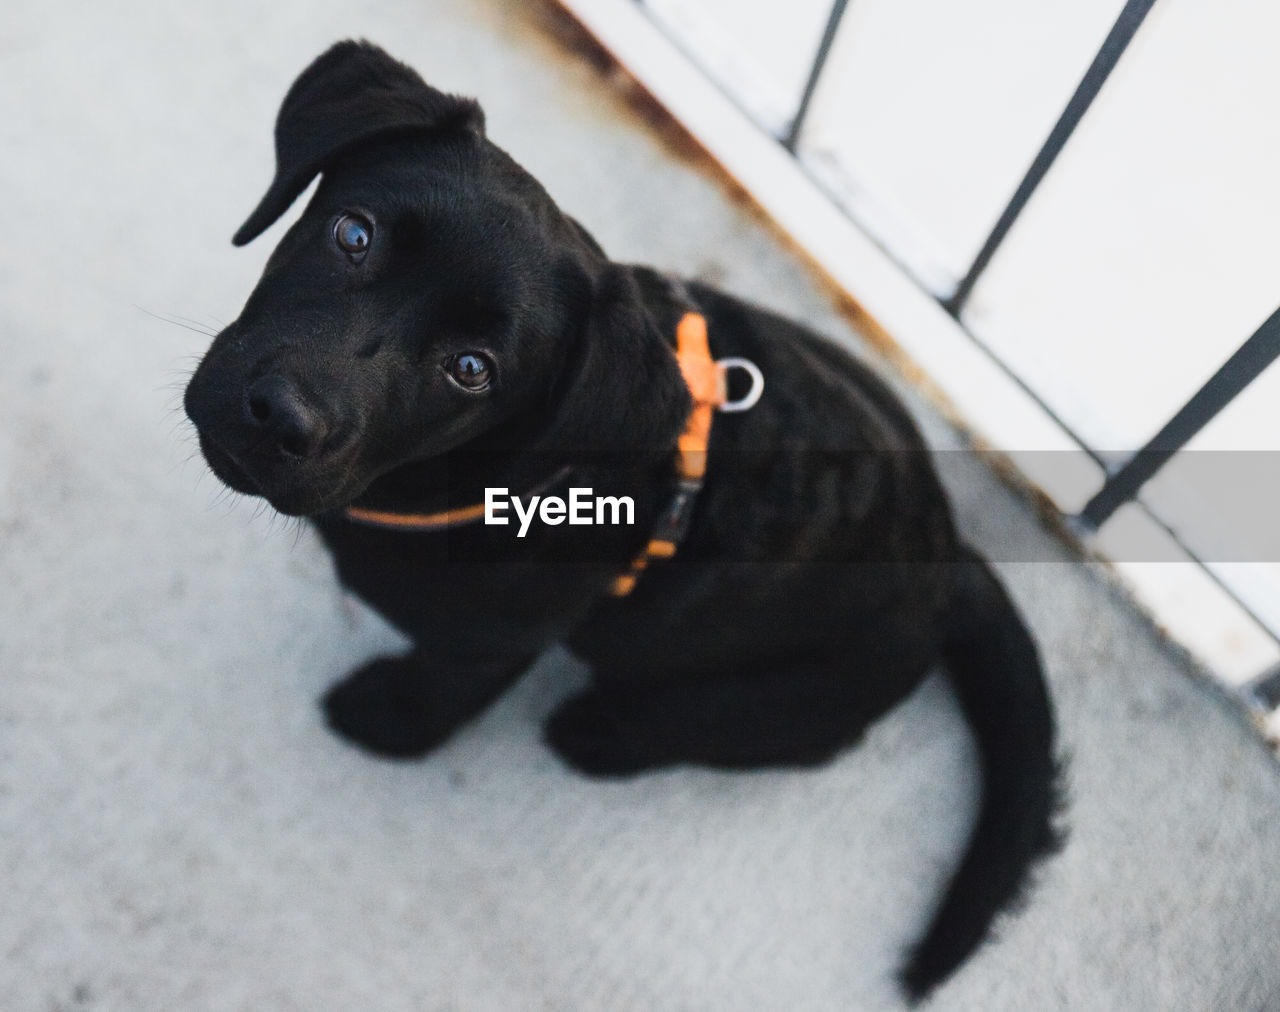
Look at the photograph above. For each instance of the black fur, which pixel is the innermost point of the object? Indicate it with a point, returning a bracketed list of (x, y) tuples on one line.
[(820, 581)]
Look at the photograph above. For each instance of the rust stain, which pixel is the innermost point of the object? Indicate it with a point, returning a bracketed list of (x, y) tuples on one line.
[(564, 28)]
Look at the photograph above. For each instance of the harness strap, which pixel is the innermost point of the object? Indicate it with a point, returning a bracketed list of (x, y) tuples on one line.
[(422, 523), (708, 390)]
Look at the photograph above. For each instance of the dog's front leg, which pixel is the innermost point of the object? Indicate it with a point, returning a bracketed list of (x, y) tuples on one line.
[(402, 707)]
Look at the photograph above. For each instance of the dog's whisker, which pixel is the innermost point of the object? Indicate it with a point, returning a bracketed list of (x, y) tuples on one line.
[(179, 321), (200, 325), (180, 377)]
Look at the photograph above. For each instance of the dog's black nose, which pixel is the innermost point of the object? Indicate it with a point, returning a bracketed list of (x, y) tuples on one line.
[(287, 421)]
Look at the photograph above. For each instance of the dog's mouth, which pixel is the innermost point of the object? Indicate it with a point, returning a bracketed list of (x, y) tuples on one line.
[(292, 487), (225, 468)]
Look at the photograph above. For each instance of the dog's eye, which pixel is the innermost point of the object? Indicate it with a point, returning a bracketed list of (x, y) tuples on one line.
[(470, 370), (352, 234)]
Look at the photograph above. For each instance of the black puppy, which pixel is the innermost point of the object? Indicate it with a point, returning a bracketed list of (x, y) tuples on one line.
[(434, 326)]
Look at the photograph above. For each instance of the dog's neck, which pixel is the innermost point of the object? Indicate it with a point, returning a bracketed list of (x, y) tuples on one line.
[(514, 454), (460, 477), (705, 381)]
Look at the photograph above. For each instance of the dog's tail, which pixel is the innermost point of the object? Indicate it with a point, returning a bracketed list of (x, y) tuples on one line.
[(994, 667)]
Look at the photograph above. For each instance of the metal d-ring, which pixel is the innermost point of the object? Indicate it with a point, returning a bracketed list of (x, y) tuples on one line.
[(748, 401)]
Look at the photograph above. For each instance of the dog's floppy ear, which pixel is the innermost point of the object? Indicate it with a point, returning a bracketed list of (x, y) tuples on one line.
[(351, 93), (624, 392)]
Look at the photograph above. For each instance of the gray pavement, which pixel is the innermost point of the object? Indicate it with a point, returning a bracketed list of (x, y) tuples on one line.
[(178, 830)]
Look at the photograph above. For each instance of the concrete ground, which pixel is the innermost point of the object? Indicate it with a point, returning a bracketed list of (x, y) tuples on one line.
[(179, 831)]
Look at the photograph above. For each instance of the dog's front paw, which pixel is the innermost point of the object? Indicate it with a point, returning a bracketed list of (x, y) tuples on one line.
[(589, 733), (382, 708)]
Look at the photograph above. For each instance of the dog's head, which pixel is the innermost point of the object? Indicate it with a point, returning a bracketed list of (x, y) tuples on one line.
[(431, 297)]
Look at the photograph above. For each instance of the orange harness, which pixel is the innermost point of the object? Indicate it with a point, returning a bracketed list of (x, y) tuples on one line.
[(416, 522), (705, 379), (422, 523), (708, 391)]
